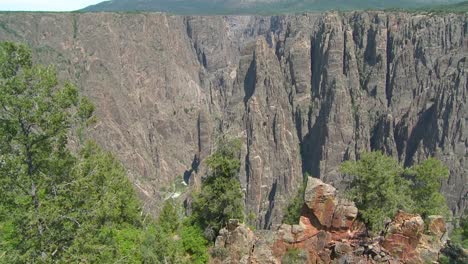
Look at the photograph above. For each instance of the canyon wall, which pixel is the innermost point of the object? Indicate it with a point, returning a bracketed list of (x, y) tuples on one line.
[(303, 92)]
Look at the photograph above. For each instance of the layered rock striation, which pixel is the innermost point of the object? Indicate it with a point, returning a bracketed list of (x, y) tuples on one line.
[(303, 92)]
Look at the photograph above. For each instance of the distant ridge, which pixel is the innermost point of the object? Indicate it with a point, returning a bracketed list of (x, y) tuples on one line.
[(455, 8), (197, 7)]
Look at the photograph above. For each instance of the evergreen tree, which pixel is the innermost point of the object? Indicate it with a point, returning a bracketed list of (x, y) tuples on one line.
[(106, 209), (425, 189), (173, 240), (36, 114), (377, 188), (220, 198), (56, 206), (194, 244), (169, 218), (381, 186)]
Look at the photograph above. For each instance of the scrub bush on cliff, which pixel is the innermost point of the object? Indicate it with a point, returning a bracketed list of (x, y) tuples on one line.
[(381, 186), (377, 188), (173, 239), (294, 209), (426, 181)]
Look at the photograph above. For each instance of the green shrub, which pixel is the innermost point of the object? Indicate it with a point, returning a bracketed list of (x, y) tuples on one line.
[(57, 205), (194, 244), (160, 247), (294, 209), (220, 198), (173, 239), (377, 188), (381, 186), (454, 254), (294, 256), (426, 180), (219, 253), (169, 218), (444, 259), (460, 234)]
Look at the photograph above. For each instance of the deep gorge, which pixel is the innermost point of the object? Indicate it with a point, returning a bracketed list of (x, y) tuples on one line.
[(303, 92)]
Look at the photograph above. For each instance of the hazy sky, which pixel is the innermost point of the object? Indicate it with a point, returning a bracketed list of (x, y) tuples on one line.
[(45, 5)]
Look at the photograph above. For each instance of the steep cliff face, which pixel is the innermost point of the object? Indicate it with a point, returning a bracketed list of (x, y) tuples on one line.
[(391, 82), (303, 92)]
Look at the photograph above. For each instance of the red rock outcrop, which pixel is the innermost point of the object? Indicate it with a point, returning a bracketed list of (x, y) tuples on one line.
[(411, 241), (324, 210), (328, 232), (403, 236)]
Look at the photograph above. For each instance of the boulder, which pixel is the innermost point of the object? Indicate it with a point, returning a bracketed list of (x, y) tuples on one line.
[(403, 235), (327, 211), (407, 241), (237, 240), (436, 225)]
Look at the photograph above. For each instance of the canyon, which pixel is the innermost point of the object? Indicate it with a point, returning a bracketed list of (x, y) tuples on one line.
[(303, 93)]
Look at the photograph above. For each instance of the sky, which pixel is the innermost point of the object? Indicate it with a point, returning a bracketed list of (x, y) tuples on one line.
[(45, 5)]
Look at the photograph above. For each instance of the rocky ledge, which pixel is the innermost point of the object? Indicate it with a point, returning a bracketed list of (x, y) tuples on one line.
[(328, 232)]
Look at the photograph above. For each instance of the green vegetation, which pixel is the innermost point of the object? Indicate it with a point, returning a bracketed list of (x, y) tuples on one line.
[(104, 208), (442, 8), (37, 205), (456, 251), (425, 187), (453, 254), (451, 8), (219, 253), (460, 234), (174, 240), (378, 188), (211, 7), (60, 206), (294, 256), (220, 197), (293, 211), (381, 186)]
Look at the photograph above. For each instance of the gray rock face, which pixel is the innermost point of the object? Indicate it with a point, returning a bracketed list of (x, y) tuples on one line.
[(303, 92)]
